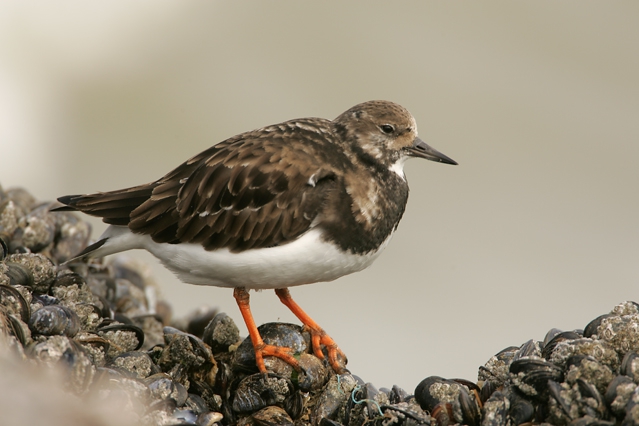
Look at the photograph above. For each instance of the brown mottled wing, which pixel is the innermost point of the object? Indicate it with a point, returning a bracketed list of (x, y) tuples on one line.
[(255, 190)]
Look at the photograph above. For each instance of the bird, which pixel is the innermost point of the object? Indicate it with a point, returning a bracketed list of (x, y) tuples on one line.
[(303, 201)]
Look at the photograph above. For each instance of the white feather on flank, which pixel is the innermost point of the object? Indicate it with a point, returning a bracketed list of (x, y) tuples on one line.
[(306, 260)]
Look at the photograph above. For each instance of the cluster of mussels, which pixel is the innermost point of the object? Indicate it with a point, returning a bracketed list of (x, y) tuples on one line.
[(106, 326), (582, 378)]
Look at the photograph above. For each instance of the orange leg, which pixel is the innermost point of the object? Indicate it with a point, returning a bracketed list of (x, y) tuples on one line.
[(318, 335), (261, 349)]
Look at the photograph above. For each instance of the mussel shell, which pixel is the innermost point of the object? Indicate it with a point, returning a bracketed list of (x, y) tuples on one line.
[(116, 386), (38, 229), (167, 405), (180, 417), (14, 326), (328, 422), (408, 413), (469, 405), (397, 395), (66, 280), (121, 318), (81, 366), (489, 387), (72, 236), (220, 333), (101, 282), (122, 270), (272, 416), (36, 271), (15, 303), (531, 375), (559, 337), (576, 360), (10, 213), (153, 329), (554, 390), (550, 334), (596, 405), (472, 386), (362, 397), (4, 245), (313, 375), (54, 320), (630, 365), (19, 274), (62, 350), (591, 329), (199, 347), (294, 405), (443, 414), (45, 299), (521, 409), (22, 198), (528, 349), (434, 391), (184, 353), (495, 371), (591, 421), (196, 403), (507, 353), (105, 307), (85, 338), (257, 391), (130, 299), (495, 410), (138, 363), (162, 386), (210, 418), (618, 394), (585, 367), (105, 331), (334, 395), (206, 392)]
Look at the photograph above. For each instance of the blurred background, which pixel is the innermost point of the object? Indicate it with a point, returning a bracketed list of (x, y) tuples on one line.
[(538, 101)]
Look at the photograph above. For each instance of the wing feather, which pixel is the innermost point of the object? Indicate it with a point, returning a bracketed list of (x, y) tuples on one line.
[(258, 189)]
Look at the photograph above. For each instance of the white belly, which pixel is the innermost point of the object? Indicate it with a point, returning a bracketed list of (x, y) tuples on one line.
[(303, 261)]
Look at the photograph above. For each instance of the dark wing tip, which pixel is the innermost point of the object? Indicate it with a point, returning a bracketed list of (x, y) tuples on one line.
[(67, 200)]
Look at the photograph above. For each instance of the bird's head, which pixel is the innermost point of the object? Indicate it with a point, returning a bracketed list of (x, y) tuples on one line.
[(385, 132)]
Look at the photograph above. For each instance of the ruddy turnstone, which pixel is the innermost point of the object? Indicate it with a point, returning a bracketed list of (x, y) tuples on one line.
[(304, 201)]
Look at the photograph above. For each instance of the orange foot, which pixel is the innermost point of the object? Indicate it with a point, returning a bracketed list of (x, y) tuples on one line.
[(261, 349), (319, 337)]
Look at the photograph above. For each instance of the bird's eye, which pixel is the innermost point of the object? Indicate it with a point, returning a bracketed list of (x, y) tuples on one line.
[(387, 128)]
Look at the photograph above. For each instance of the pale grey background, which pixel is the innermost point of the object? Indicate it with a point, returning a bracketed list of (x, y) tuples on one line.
[(537, 101)]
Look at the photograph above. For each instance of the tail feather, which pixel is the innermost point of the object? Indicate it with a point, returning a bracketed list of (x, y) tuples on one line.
[(90, 249), (115, 239), (113, 207)]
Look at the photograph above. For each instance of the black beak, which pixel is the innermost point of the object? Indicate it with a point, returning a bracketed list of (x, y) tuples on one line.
[(421, 150)]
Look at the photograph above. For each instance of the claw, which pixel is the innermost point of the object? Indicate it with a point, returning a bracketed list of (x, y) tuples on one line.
[(261, 349), (319, 337), (281, 352)]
